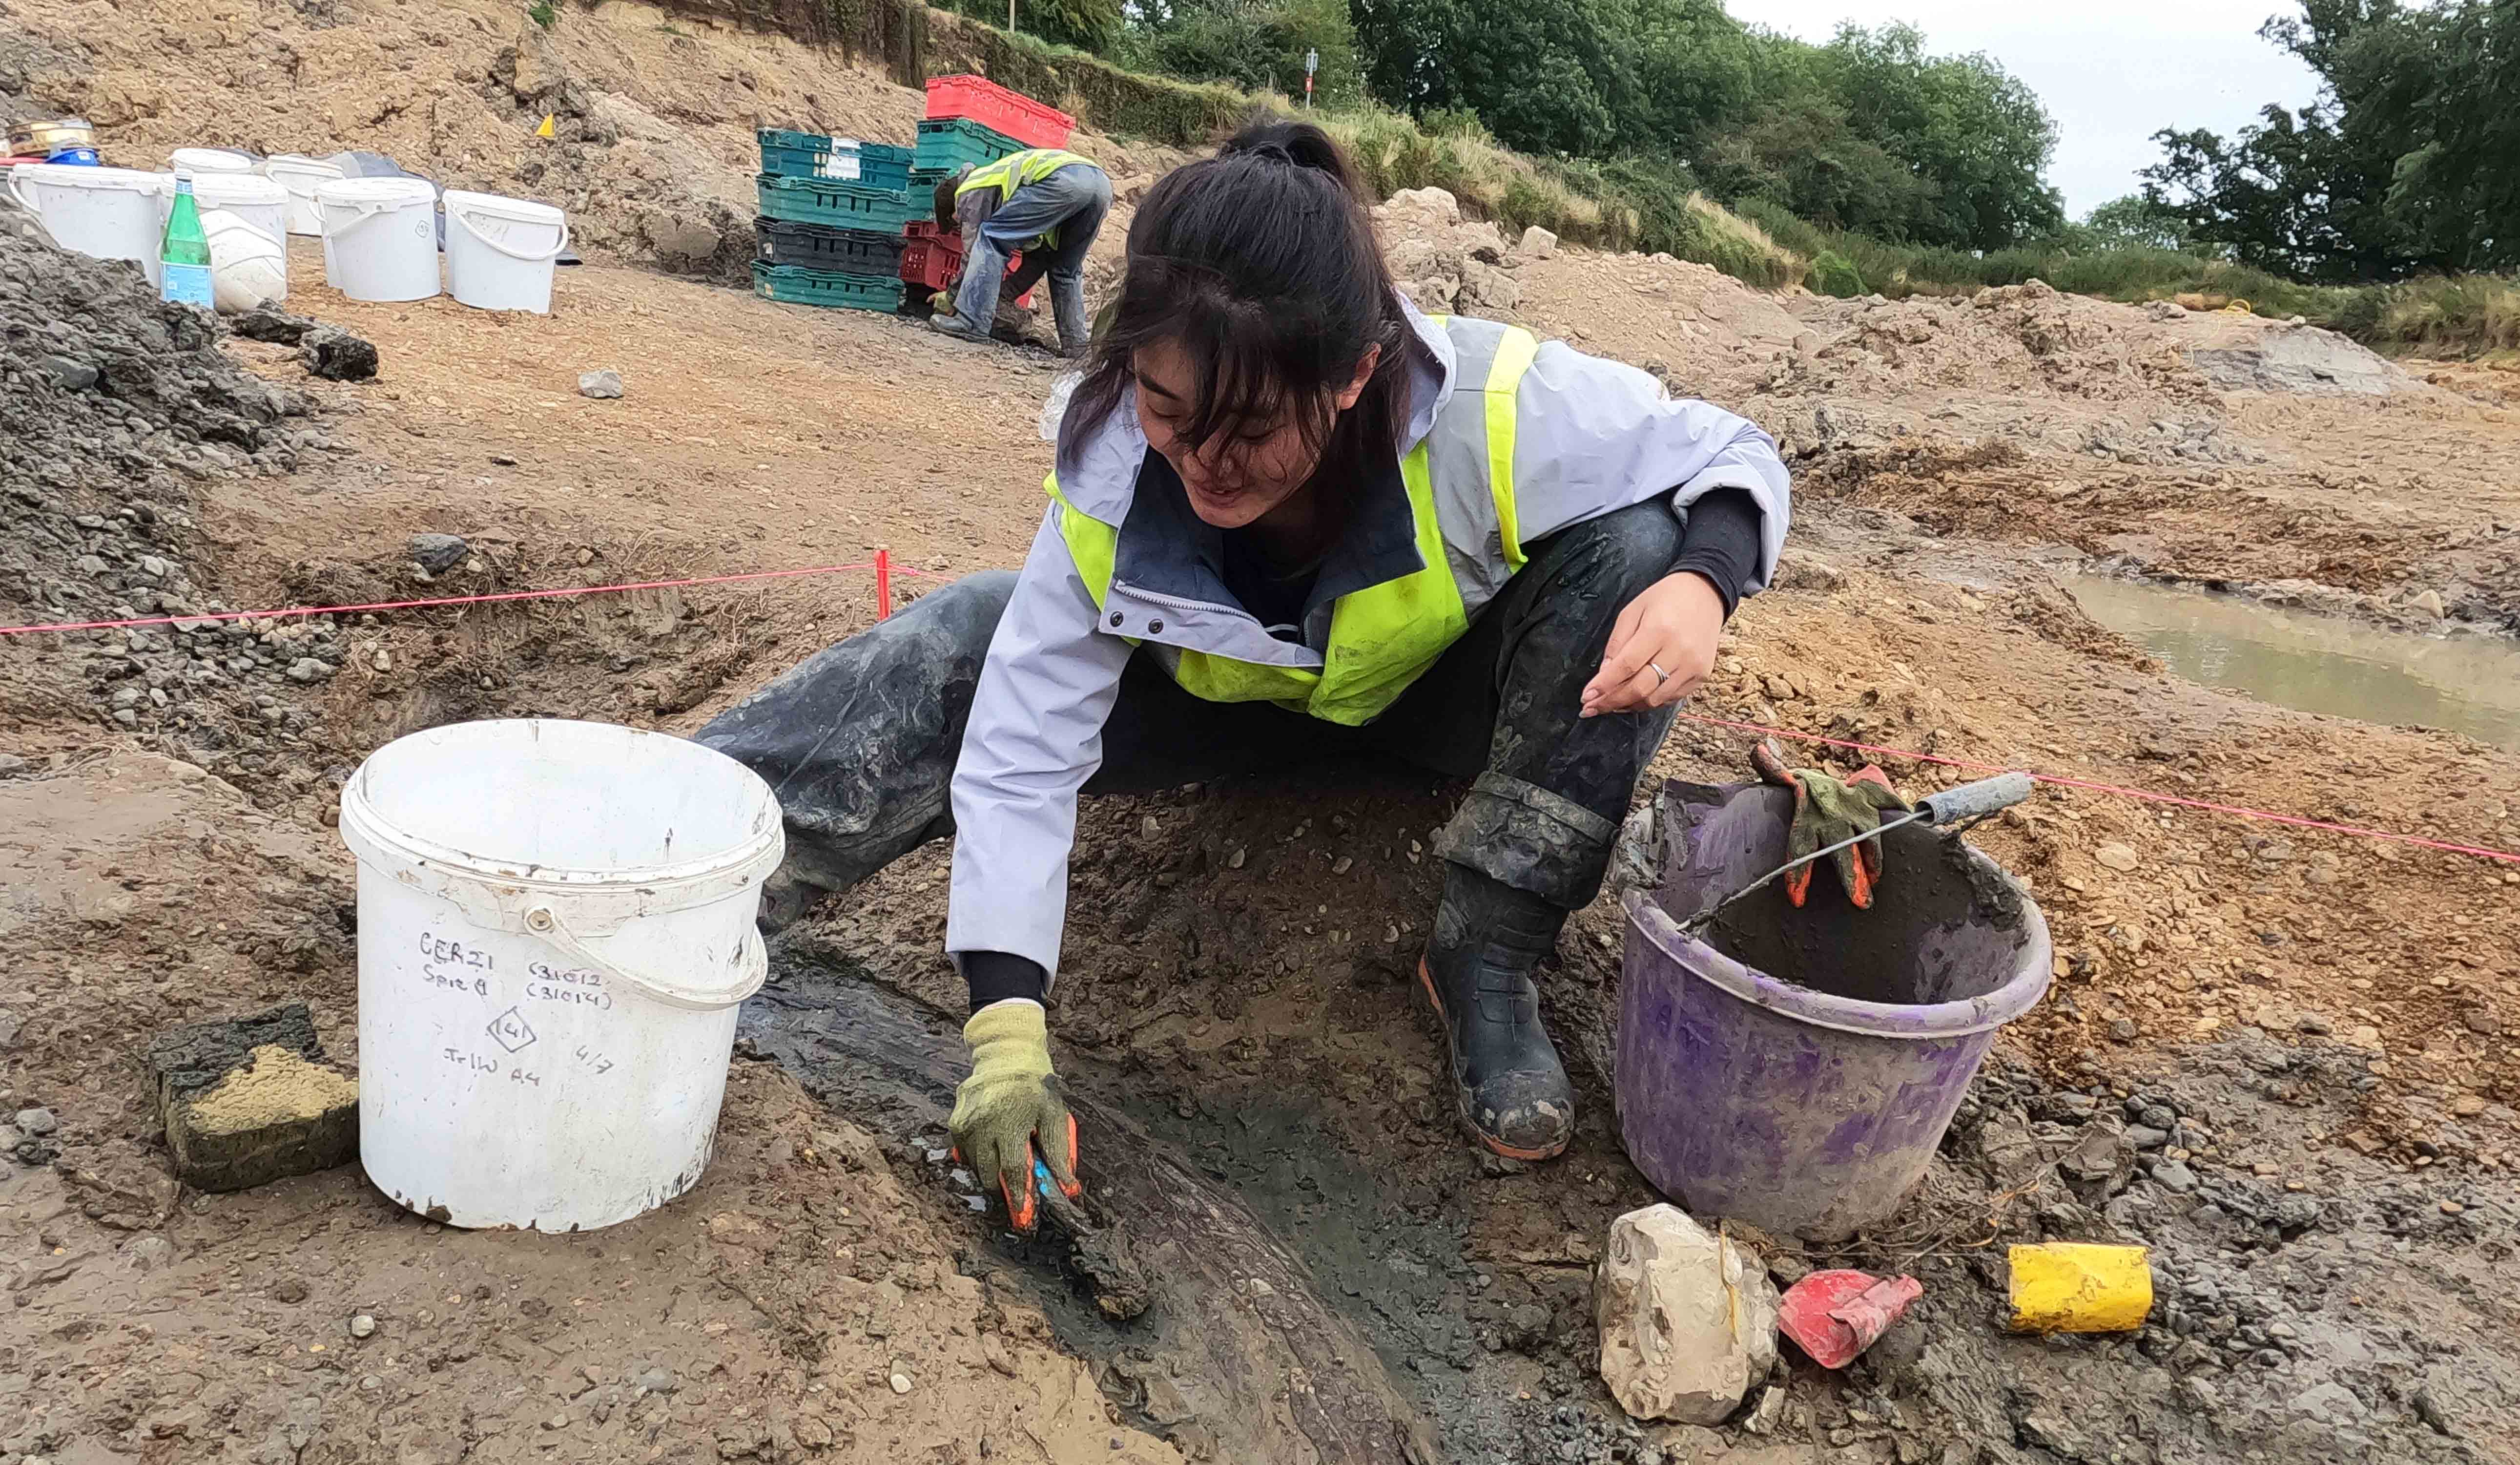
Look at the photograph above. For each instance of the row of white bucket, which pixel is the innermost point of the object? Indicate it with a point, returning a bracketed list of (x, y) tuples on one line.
[(380, 234)]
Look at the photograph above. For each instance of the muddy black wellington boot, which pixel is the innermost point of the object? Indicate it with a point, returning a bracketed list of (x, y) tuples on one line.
[(1489, 939)]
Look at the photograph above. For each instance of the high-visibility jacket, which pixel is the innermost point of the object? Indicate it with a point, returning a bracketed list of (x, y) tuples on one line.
[(1016, 169), (1382, 636), (1508, 440)]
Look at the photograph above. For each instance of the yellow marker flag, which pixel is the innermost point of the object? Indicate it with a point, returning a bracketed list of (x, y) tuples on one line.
[(549, 130)]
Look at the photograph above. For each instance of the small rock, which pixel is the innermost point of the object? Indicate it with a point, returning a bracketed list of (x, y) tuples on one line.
[(2453, 1207), (2430, 602), (307, 670), (2145, 1137), (2122, 1030), (604, 386), (1539, 243), (2314, 1024), (439, 553), (2467, 1106), (288, 1290), (2175, 1176), (67, 374), (1687, 1318), (2480, 1019), (363, 1326), (1235, 860), (37, 1121), (900, 1383), (336, 355), (2118, 856), (269, 323), (656, 1380), (149, 1253)]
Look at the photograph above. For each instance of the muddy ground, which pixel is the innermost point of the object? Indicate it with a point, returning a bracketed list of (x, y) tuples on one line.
[(2318, 1029)]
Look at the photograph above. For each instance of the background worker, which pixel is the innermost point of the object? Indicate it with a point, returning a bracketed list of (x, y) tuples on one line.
[(1046, 203), (1292, 519)]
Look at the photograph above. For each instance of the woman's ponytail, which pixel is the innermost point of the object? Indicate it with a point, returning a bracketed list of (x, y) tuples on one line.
[(1302, 144)]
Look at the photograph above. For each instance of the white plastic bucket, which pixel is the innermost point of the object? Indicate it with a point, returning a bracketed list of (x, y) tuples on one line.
[(556, 927), (249, 264), (500, 251), (199, 160), (261, 202), (298, 176), (380, 237), (111, 214)]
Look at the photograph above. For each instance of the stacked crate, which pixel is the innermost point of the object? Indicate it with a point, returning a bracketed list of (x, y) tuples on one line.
[(853, 223), (831, 216), (971, 121)]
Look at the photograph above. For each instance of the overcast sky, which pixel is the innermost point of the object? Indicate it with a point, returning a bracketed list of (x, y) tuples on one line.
[(2110, 74)]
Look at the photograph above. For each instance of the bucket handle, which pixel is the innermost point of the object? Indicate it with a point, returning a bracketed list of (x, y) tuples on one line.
[(18, 197), (366, 211), (458, 215), (754, 958)]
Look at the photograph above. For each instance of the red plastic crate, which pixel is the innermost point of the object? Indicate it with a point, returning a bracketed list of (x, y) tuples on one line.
[(983, 101), (930, 257)]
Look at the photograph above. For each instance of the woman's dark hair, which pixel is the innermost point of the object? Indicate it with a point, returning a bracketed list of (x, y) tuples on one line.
[(1261, 265)]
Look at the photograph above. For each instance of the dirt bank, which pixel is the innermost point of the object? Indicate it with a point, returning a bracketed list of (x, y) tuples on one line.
[(2317, 1026)]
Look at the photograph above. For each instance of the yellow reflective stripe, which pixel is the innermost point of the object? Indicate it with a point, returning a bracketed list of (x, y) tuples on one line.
[(1515, 355), (1016, 169), (1090, 542)]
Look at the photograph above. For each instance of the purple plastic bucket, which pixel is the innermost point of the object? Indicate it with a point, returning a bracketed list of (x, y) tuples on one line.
[(1809, 1102)]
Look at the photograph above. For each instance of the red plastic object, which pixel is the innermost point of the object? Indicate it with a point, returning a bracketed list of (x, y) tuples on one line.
[(930, 257), (1835, 1315), (993, 107), (882, 583)]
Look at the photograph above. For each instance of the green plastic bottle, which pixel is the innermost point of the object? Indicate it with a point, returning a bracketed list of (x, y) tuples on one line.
[(184, 254)]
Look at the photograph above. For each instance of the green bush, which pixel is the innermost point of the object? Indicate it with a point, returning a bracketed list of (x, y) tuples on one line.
[(1833, 274)]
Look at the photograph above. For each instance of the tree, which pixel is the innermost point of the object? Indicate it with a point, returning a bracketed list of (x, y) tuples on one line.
[(1254, 44), (2409, 159), (2131, 223), (1961, 122)]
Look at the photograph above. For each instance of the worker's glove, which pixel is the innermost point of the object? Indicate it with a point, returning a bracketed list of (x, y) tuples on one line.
[(1011, 1099), (1826, 811)]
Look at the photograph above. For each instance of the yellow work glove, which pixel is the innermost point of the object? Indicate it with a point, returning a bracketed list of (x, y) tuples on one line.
[(1011, 1098)]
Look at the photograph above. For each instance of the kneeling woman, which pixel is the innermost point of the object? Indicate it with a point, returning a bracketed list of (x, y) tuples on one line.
[(1291, 517)]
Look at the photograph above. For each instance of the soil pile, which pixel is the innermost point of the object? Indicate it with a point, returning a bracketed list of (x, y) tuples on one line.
[(110, 399), (2017, 339)]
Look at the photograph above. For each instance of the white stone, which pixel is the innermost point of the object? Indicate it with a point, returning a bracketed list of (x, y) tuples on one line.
[(1687, 1317), (1433, 204), (1539, 243)]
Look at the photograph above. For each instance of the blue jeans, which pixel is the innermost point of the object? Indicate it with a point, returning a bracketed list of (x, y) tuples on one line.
[(1072, 201)]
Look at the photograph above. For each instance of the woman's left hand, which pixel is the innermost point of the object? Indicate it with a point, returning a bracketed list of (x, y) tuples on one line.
[(1661, 648)]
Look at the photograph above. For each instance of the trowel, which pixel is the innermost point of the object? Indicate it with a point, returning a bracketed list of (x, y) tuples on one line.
[(1962, 806)]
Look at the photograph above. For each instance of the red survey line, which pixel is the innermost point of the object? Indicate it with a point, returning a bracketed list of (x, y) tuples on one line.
[(450, 600), (2145, 795)]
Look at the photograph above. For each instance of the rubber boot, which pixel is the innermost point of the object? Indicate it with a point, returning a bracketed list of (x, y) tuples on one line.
[(1489, 939)]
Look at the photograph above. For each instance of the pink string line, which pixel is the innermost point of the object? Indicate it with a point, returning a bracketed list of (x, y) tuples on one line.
[(2142, 795), (2145, 795)]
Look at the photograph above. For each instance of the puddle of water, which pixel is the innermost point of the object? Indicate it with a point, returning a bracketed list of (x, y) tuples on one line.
[(2317, 663)]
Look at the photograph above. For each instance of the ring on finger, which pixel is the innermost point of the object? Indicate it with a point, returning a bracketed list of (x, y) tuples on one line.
[(1660, 675)]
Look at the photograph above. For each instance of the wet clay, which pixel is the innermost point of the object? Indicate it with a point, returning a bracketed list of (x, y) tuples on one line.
[(1884, 954), (1228, 1313)]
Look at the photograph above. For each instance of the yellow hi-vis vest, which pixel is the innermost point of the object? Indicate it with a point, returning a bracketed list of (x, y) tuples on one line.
[(1016, 169), (1459, 480)]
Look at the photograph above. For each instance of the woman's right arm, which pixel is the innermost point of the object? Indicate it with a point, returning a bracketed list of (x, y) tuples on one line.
[(1034, 737)]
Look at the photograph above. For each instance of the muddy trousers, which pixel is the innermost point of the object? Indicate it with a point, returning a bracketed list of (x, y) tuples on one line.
[(860, 740)]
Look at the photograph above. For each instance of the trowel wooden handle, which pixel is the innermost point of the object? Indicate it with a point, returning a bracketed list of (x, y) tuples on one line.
[(1976, 800)]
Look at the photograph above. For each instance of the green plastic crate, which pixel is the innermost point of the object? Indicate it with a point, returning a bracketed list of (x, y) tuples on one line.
[(818, 286), (810, 155), (828, 201), (956, 142)]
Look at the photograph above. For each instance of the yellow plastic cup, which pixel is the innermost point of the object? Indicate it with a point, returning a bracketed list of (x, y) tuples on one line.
[(2076, 1287)]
